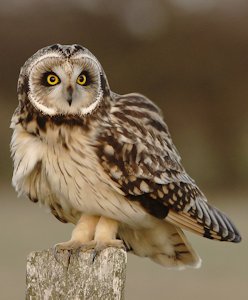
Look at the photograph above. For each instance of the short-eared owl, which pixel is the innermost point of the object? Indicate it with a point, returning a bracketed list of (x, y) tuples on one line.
[(105, 162)]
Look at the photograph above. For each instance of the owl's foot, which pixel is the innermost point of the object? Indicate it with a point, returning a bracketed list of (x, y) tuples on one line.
[(70, 245), (66, 246), (91, 232), (105, 236), (78, 246), (99, 245), (82, 233)]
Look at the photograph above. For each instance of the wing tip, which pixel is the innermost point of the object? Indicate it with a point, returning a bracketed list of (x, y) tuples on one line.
[(226, 230), (232, 234), (237, 238)]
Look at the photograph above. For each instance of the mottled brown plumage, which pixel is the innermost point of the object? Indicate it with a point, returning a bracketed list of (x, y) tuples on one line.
[(105, 162)]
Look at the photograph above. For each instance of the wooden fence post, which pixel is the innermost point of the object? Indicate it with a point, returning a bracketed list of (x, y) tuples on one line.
[(78, 278)]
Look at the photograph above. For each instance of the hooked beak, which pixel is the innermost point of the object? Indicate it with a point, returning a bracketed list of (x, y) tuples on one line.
[(69, 95)]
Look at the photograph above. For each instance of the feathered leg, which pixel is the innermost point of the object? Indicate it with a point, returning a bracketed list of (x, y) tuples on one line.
[(105, 236), (82, 233)]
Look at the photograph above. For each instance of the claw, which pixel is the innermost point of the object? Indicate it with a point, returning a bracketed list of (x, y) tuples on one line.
[(57, 251), (95, 253), (100, 246)]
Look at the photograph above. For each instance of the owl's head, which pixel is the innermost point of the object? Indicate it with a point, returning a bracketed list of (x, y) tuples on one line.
[(62, 80)]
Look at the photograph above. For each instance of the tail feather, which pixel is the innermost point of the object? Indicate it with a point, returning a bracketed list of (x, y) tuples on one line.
[(165, 244)]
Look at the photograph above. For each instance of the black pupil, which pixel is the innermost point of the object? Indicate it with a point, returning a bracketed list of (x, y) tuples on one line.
[(52, 78), (81, 78)]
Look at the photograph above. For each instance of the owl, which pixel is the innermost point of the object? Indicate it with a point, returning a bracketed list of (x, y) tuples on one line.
[(105, 162)]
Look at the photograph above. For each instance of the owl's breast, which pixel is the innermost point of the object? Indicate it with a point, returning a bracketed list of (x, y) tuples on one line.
[(75, 176), (78, 180), (63, 172), (70, 169)]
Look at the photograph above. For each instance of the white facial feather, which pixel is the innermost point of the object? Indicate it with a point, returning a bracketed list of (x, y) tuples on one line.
[(52, 100)]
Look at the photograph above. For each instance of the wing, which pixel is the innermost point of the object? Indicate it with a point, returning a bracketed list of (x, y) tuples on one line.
[(137, 152)]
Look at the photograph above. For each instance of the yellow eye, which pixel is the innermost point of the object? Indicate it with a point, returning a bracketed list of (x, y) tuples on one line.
[(82, 79), (52, 79)]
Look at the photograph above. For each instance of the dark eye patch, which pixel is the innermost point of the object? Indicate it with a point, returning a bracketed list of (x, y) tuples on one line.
[(44, 78), (88, 77)]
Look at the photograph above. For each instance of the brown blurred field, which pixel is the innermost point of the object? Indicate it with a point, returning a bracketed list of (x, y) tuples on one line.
[(191, 58)]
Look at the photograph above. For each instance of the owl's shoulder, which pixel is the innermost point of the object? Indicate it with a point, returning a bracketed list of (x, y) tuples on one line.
[(137, 114), (135, 101)]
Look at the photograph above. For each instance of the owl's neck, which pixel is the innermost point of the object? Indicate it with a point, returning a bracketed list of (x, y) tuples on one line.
[(39, 124)]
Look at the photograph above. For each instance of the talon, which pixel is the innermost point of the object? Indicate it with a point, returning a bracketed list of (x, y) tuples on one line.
[(69, 257), (77, 252), (88, 246), (56, 249), (55, 253), (95, 253)]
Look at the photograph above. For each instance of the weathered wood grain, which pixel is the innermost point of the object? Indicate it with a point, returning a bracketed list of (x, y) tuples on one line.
[(77, 277)]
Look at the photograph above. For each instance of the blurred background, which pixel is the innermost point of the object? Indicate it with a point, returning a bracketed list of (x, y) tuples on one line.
[(188, 56)]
